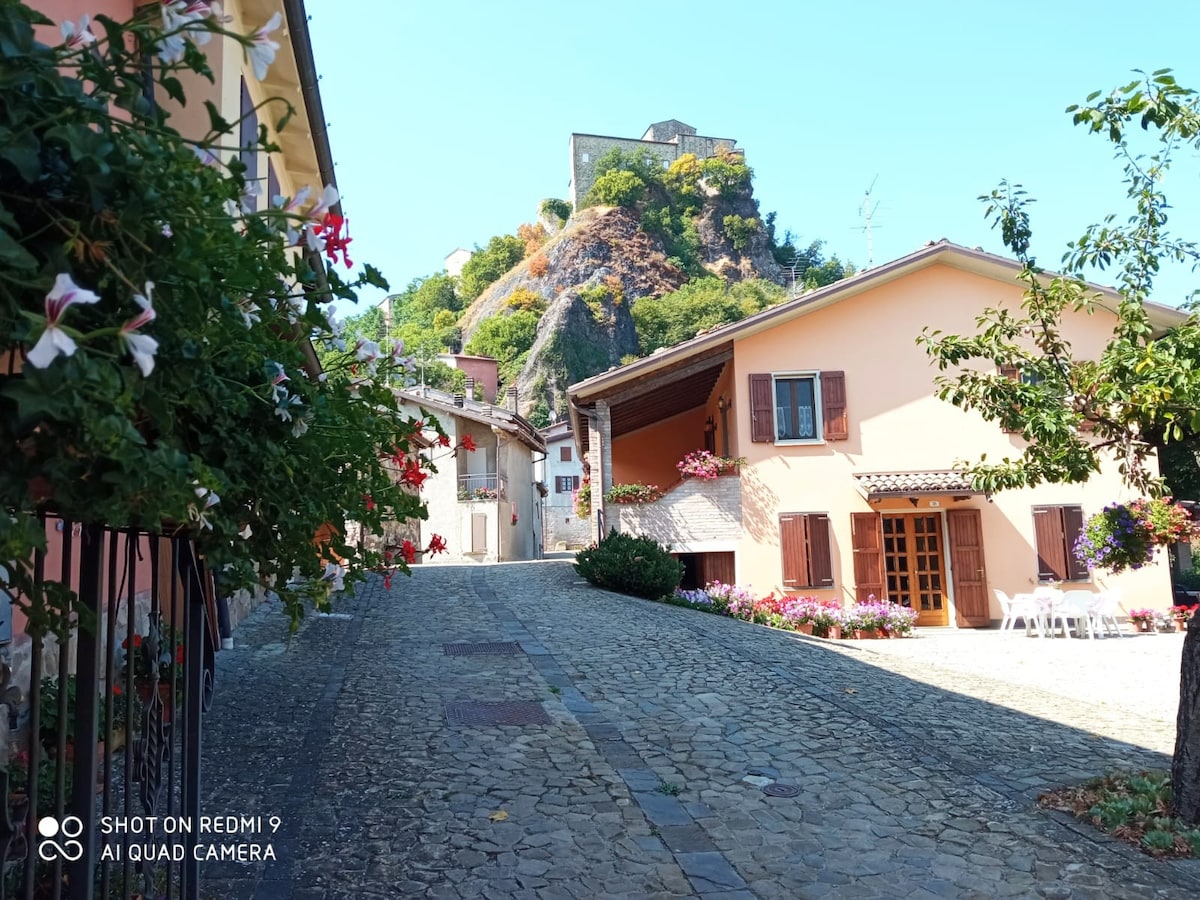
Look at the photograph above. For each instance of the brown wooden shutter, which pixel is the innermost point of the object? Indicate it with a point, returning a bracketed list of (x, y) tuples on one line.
[(564, 454), (717, 567), (793, 550), (820, 559), (574, 482), (966, 561), (866, 537), (1012, 373), (1077, 570), (762, 409), (1051, 545), (833, 406)]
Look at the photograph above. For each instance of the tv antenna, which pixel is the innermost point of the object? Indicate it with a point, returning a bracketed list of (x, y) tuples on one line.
[(866, 211)]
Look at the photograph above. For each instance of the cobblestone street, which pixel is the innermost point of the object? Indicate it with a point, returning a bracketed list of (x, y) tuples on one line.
[(917, 764)]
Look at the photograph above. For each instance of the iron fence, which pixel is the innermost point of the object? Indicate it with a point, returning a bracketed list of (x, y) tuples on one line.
[(101, 790)]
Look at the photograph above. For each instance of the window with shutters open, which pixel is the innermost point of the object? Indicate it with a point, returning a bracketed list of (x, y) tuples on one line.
[(804, 544), (1056, 528), (798, 407)]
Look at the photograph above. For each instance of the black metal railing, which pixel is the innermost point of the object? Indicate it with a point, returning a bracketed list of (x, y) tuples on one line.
[(101, 785)]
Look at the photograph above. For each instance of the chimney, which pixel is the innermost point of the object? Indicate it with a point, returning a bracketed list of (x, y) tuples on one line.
[(511, 398), (458, 400), (470, 391)]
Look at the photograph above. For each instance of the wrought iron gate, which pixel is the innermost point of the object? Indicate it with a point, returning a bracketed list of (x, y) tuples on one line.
[(102, 785)]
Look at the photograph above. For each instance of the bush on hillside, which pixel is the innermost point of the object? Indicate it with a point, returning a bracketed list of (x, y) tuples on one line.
[(630, 565)]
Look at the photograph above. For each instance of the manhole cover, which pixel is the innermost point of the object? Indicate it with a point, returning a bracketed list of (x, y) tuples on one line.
[(775, 789), (503, 712), (495, 649)]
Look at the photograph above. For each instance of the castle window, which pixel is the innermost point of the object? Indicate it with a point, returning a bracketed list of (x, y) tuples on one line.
[(586, 157)]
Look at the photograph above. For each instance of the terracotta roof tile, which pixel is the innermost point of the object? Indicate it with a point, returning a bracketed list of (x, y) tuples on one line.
[(882, 484)]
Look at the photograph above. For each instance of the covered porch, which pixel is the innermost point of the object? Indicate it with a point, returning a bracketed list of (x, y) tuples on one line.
[(634, 424)]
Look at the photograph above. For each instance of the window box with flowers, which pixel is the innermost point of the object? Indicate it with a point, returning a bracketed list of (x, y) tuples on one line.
[(707, 465), (1126, 536), (633, 493)]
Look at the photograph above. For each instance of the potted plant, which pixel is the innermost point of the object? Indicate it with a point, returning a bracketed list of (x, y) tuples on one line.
[(1125, 536), (1144, 619), (1181, 615), (582, 500)]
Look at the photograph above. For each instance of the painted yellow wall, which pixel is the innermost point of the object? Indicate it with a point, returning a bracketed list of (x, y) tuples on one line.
[(897, 424)]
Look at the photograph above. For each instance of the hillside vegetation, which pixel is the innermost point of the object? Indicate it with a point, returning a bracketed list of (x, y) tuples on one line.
[(652, 257)]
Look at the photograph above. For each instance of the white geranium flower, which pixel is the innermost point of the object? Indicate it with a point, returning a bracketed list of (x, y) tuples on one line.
[(262, 49), (77, 36), (54, 340)]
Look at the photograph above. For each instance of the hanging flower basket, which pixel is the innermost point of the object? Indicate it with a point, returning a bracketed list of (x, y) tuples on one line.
[(1125, 536)]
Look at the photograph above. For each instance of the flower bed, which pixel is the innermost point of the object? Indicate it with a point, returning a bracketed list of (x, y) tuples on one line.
[(809, 615)]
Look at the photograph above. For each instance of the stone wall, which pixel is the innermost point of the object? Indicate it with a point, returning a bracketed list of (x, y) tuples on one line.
[(697, 516), (586, 149)]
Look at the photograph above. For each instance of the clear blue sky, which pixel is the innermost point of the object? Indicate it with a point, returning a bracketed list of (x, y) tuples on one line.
[(450, 121)]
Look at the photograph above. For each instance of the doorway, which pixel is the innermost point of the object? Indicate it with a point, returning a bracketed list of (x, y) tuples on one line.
[(914, 565)]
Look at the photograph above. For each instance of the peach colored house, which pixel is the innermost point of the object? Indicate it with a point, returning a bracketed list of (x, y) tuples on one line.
[(849, 486)]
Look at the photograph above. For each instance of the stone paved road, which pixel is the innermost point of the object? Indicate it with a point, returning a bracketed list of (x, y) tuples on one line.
[(915, 779)]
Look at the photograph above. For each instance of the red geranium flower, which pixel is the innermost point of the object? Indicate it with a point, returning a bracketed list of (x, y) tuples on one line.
[(468, 443), (437, 544), (408, 551)]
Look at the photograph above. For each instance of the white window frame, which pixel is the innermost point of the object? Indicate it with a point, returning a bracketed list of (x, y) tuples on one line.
[(818, 407)]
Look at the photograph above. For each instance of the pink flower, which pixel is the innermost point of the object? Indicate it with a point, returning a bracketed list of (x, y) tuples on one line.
[(54, 340)]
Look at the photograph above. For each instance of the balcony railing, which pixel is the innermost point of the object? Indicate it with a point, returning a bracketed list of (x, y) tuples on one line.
[(480, 487)]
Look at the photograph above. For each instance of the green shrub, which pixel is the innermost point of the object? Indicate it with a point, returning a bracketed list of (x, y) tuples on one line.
[(630, 565), (739, 230), (486, 265), (618, 188), (559, 208)]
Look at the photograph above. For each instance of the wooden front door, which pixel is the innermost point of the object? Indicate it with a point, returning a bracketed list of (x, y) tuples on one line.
[(914, 565), (966, 565)]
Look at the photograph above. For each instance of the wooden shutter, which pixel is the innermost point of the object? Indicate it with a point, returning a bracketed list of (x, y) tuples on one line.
[(1077, 570), (478, 532), (866, 537), (564, 454), (717, 567), (833, 406), (1012, 373), (762, 409), (248, 136), (574, 482), (1051, 544), (966, 561), (795, 553), (819, 557)]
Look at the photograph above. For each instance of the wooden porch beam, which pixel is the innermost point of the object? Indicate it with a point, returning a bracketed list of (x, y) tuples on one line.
[(655, 380)]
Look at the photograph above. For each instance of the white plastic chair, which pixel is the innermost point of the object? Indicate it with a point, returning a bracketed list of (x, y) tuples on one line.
[(1047, 600), (1104, 612), (1019, 607), (1076, 606)]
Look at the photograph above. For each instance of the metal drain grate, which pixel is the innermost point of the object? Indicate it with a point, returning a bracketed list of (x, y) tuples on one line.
[(503, 712), (493, 649), (775, 789)]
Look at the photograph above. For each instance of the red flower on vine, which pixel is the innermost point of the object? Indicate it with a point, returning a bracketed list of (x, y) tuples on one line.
[(412, 474), (468, 443), (370, 502), (330, 231), (437, 544), (408, 551)]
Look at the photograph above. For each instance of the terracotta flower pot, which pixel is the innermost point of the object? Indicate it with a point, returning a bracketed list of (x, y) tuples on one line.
[(805, 628), (1181, 624), (835, 632), (1147, 627)]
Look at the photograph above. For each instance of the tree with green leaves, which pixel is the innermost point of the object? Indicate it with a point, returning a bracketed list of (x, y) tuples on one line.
[(701, 303), (486, 265), (1076, 413)]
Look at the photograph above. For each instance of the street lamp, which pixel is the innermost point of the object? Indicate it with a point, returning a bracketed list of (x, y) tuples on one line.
[(724, 406)]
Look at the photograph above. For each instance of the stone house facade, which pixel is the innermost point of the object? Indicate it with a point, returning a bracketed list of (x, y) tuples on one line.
[(562, 475), (486, 503), (666, 141)]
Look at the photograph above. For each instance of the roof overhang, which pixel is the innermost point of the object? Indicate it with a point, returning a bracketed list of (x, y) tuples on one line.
[(943, 252), (881, 485), (657, 394)]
